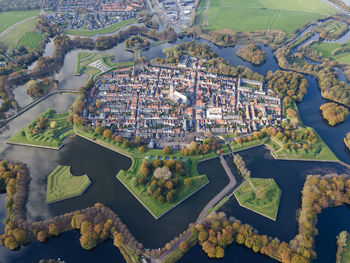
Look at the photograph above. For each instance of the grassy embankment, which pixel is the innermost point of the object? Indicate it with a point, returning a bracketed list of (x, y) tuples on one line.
[(85, 59), (254, 15), (128, 178), (345, 257), (61, 184), (105, 30), (51, 137), (268, 204), (22, 35)]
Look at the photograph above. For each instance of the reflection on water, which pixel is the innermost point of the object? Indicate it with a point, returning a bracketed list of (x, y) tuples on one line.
[(21, 95)]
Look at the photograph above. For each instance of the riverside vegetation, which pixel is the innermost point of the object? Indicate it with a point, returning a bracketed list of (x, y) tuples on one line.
[(319, 192)]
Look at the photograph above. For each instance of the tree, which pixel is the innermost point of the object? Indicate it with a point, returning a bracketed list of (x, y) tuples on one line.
[(20, 235), (220, 253), (107, 133), (118, 240), (126, 144), (11, 243), (202, 235), (118, 139), (53, 124), (260, 193), (89, 240), (183, 246), (54, 230), (42, 235), (188, 182), (142, 149), (98, 130), (167, 150)]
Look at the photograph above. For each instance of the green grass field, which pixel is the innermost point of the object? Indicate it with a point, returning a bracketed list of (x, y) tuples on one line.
[(17, 35), (61, 184), (267, 206), (255, 15), (49, 137), (327, 49), (30, 40), (105, 30), (10, 18), (345, 257)]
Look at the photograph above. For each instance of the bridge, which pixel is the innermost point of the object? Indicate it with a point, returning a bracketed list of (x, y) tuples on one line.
[(226, 191)]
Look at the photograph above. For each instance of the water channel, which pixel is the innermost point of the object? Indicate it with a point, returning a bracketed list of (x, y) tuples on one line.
[(102, 165)]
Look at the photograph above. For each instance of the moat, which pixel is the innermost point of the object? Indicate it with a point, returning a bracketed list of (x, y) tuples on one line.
[(102, 165)]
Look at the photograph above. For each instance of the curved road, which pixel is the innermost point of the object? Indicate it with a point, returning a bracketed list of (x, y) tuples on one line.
[(4, 33), (224, 192), (336, 7)]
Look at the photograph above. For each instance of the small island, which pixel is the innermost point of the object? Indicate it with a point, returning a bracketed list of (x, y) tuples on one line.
[(347, 140), (334, 113), (252, 53), (162, 183), (136, 42), (260, 195), (61, 184)]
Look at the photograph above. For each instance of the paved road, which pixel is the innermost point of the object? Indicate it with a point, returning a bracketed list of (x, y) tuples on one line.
[(224, 192), (4, 33), (336, 7)]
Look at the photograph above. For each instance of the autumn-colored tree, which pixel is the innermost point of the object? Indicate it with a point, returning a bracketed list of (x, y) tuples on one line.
[(89, 240), (42, 235), (107, 133), (167, 150), (54, 230), (20, 235), (118, 240), (118, 139), (183, 246), (11, 243), (98, 130), (188, 182)]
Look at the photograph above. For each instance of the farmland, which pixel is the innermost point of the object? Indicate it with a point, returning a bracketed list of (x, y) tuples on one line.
[(258, 15), (61, 184), (19, 34), (10, 18)]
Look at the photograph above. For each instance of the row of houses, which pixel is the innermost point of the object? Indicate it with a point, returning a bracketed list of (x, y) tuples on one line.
[(155, 102)]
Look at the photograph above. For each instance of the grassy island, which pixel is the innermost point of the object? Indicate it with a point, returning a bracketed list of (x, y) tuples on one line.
[(94, 64), (61, 184), (260, 195), (187, 182), (47, 131), (105, 30)]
